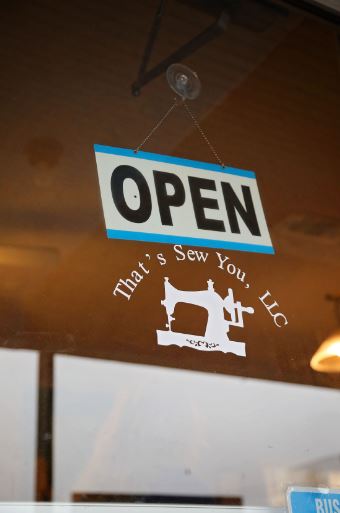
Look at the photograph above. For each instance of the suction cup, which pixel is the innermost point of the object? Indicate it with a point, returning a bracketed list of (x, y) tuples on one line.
[(183, 81)]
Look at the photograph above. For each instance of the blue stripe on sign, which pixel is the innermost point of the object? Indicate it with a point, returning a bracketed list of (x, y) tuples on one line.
[(188, 241), (98, 148)]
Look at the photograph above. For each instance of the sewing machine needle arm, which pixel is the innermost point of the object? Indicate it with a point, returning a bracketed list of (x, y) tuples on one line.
[(170, 319)]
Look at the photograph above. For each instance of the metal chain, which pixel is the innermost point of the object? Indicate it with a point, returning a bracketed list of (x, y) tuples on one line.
[(176, 103), (204, 136), (160, 122)]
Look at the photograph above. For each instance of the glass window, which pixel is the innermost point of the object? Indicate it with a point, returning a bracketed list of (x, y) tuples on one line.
[(93, 407)]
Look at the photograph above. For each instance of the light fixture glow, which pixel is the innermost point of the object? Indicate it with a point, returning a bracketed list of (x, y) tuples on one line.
[(327, 357)]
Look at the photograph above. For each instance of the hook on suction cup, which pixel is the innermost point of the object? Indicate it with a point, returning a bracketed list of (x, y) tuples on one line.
[(183, 81)]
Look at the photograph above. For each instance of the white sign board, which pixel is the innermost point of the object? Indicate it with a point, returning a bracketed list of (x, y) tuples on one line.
[(156, 198)]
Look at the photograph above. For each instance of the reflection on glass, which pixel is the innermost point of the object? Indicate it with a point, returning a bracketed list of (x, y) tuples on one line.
[(18, 399), (125, 429)]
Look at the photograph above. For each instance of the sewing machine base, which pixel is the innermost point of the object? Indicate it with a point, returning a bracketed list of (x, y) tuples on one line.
[(168, 338)]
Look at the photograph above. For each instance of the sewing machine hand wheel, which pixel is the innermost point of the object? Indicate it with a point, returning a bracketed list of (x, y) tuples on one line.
[(183, 81)]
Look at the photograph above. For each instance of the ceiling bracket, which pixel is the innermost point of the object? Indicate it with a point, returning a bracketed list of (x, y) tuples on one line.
[(204, 37)]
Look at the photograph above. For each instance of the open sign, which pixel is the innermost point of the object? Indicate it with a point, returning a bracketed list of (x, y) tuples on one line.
[(156, 198)]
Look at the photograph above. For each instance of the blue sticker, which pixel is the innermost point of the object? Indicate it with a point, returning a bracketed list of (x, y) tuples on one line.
[(313, 500)]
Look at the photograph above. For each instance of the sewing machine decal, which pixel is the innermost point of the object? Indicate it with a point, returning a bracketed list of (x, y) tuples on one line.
[(217, 329)]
